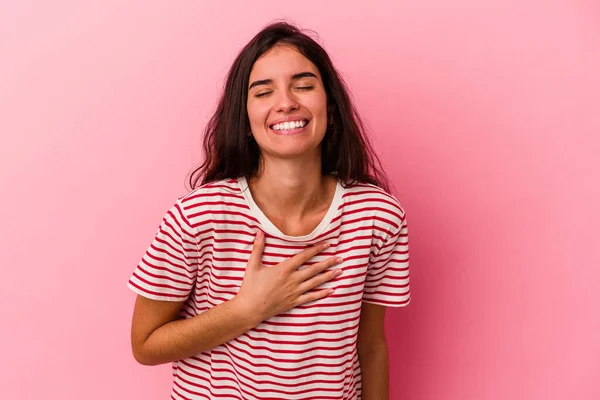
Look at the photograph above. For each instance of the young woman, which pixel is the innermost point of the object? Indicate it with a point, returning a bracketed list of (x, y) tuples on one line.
[(271, 278)]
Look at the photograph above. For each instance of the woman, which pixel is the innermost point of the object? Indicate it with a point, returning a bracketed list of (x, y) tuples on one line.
[(270, 280)]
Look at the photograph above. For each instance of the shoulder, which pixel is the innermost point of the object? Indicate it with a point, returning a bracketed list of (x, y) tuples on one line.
[(211, 190), (211, 197), (377, 201)]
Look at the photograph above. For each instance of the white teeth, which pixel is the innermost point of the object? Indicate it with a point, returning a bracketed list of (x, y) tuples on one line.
[(289, 125)]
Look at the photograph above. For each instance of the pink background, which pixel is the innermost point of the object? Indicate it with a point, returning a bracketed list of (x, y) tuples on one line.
[(487, 117)]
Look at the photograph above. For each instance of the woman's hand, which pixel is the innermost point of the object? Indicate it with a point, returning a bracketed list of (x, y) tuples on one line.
[(268, 291)]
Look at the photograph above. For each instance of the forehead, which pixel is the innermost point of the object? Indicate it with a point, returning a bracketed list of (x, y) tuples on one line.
[(281, 62)]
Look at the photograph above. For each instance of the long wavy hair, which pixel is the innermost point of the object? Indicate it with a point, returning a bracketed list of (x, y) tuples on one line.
[(346, 151)]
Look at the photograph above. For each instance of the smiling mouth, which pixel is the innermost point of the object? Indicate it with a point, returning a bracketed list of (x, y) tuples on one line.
[(290, 126)]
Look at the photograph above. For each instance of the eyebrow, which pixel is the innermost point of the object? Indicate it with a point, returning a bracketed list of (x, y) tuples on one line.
[(295, 77)]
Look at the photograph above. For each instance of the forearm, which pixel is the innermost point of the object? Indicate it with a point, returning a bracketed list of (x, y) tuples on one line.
[(189, 337), (375, 371)]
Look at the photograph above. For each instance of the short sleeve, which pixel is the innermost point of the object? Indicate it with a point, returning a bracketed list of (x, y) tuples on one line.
[(387, 281), (168, 269)]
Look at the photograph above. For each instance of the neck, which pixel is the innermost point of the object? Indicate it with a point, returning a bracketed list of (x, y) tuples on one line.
[(296, 186)]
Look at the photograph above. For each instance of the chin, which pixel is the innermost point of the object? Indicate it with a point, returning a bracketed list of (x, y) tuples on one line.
[(294, 151)]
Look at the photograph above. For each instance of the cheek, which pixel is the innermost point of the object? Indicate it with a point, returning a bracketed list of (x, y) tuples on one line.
[(320, 110), (257, 114)]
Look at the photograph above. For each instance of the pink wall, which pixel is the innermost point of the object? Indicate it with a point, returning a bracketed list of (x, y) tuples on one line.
[(487, 116)]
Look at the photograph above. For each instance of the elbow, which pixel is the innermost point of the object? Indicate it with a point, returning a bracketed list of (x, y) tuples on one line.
[(144, 360), (142, 357)]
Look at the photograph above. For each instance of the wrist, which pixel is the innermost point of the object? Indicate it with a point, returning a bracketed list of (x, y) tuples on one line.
[(244, 312)]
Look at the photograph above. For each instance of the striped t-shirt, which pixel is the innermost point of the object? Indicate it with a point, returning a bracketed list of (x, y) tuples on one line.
[(199, 256)]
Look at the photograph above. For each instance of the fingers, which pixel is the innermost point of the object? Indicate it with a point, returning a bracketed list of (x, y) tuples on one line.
[(302, 257), (314, 269), (312, 296), (318, 280), (257, 250)]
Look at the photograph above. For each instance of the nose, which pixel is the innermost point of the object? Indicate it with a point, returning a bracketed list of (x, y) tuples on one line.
[(286, 102)]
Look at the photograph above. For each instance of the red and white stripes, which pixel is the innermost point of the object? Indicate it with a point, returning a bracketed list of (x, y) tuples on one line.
[(199, 256)]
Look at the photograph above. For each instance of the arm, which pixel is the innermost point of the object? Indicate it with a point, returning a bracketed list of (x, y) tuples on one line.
[(157, 336), (373, 352)]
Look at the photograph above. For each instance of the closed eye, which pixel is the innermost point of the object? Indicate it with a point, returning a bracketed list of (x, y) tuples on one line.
[(263, 94), (304, 88)]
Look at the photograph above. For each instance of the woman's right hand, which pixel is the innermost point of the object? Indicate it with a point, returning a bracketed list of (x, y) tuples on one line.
[(268, 291)]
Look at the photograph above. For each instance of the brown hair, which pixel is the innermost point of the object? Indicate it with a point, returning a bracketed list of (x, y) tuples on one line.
[(346, 151)]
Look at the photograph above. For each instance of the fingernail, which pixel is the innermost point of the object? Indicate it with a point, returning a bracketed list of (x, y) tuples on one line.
[(339, 260), (339, 272), (326, 245), (259, 234)]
